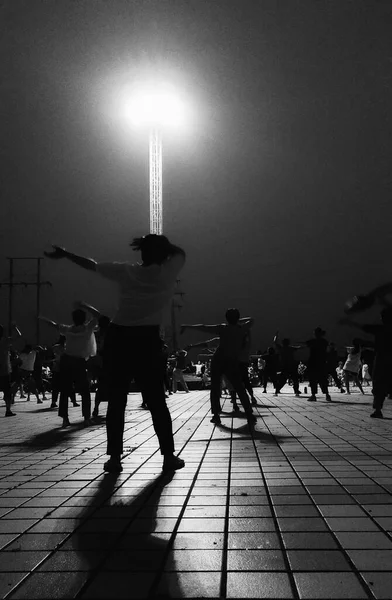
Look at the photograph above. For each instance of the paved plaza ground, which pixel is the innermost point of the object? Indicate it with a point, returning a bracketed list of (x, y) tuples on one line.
[(302, 508)]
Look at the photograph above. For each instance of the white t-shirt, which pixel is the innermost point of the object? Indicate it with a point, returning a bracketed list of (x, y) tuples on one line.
[(353, 362), (28, 360), (80, 339), (144, 291)]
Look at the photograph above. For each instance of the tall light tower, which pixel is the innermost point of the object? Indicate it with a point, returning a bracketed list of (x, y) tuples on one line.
[(159, 109), (156, 181)]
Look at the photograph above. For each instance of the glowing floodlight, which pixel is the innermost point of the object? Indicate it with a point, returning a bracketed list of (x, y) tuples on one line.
[(157, 109)]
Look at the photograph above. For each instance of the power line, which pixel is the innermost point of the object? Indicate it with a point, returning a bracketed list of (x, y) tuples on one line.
[(11, 284)]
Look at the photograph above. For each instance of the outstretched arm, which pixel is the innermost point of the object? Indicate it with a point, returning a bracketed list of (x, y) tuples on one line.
[(15, 332), (201, 327), (48, 321), (203, 344), (81, 261)]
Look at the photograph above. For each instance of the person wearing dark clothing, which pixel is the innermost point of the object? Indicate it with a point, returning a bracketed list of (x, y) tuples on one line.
[(226, 360), (332, 363), (382, 371), (132, 347), (270, 371), (317, 364), (288, 366)]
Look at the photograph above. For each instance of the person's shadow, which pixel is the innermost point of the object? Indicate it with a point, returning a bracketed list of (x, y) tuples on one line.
[(117, 544)]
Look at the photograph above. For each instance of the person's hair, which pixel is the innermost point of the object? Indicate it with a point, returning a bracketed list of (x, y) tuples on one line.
[(271, 350), (78, 316), (27, 349), (286, 342), (103, 322), (232, 316), (155, 249), (386, 315), (318, 332)]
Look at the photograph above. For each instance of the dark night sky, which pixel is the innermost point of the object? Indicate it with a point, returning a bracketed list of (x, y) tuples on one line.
[(280, 190)]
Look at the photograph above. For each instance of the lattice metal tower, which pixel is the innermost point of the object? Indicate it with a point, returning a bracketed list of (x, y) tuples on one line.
[(155, 181)]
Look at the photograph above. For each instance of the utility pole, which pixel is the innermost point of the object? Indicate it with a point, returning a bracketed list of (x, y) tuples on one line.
[(11, 285)]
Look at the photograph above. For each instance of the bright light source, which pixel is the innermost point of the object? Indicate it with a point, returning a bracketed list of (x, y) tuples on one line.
[(156, 108)]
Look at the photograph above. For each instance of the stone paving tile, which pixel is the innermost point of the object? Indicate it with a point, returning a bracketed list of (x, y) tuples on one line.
[(299, 509)]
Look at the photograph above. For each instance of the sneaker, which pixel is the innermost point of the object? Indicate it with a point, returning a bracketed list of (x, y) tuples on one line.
[(254, 401), (39, 402), (75, 404), (172, 464), (143, 405), (53, 406), (312, 398), (95, 412), (9, 413), (216, 419), (66, 423), (377, 414), (113, 465), (328, 398), (342, 391), (87, 422), (298, 395)]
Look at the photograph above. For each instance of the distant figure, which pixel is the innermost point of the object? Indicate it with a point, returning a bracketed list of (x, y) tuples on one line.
[(287, 364), (382, 372), (80, 345), (366, 377), (353, 365), (332, 363), (28, 356), (226, 360), (301, 371), (178, 371), (270, 371), (5, 366), (317, 364)]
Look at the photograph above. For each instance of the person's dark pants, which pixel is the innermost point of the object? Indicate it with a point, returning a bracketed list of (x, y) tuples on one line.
[(56, 388), (318, 376), (332, 372), (135, 352), (286, 374), (73, 375), (232, 371), (382, 380), (270, 376), (245, 378)]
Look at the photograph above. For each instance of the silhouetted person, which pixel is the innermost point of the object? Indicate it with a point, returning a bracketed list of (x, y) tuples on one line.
[(226, 359), (317, 364), (287, 364), (5, 366), (353, 365), (132, 347), (332, 363)]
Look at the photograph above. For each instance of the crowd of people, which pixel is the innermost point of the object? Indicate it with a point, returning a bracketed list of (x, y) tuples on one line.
[(96, 353)]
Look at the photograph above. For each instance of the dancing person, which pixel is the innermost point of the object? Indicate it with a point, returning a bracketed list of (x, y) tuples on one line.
[(366, 377), (301, 371), (132, 346), (5, 365), (226, 360), (317, 364), (95, 363), (287, 364), (332, 362), (28, 357), (244, 359), (80, 344), (353, 365), (382, 372), (270, 371), (178, 371)]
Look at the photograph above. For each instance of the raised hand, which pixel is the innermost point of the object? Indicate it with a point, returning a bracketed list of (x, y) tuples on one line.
[(57, 253)]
